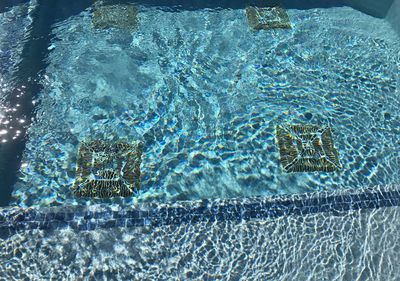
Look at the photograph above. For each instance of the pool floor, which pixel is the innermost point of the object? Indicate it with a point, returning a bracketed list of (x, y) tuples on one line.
[(204, 93), (351, 244)]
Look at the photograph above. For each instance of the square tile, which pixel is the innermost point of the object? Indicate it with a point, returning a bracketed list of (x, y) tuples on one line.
[(267, 17), (115, 16), (307, 148), (107, 170)]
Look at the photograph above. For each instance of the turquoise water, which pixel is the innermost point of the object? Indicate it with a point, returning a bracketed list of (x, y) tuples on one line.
[(204, 94)]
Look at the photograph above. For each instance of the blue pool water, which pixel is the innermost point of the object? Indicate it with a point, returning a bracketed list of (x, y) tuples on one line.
[(204, 93)]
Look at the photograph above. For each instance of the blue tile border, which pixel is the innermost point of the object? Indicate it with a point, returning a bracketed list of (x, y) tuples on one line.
[(79, 218)]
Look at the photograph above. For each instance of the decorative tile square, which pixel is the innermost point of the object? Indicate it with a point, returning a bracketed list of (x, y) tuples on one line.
[(115, 16), (267, 17), (307, 148), (107, 170)]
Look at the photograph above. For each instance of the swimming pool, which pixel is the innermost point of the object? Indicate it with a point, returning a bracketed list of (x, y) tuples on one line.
[(224, 110), (205, 98)]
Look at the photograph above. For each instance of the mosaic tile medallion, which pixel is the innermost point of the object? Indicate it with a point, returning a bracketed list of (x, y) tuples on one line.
[(115, 16), (267, 17), (307, 148), (107, 169)]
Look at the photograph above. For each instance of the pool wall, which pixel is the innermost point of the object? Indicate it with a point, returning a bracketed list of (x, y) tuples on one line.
[(373, 7), (393, 15)]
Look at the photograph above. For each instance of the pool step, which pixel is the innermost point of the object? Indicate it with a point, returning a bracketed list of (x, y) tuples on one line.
[(267, 17), (107, 169), (307, 148)]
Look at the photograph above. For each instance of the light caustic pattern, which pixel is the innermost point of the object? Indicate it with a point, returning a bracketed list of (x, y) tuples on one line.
[(204, 93), (355, 245)]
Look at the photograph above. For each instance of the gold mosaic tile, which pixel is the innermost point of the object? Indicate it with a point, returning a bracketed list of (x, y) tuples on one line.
[(107, 170), (115, 16), (267, 17), (307, 148)]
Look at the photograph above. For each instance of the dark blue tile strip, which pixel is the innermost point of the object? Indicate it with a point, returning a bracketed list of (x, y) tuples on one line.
[(13, 220)]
